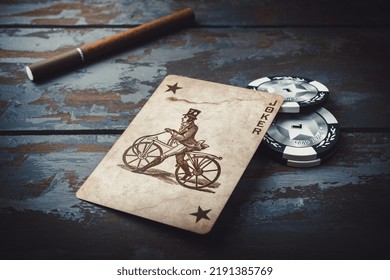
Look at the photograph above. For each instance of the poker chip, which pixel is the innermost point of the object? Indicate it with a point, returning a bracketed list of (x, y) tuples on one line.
[(301, 94), (305, 163), (303, 140)]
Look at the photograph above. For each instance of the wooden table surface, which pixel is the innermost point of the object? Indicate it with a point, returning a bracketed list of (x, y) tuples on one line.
[(54, 133)]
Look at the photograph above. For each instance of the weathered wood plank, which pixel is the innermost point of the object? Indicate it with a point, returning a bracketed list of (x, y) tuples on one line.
[(211, 13), (352, 63), (337, 210)]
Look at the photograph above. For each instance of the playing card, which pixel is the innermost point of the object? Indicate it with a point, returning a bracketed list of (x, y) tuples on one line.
[(181, 157)]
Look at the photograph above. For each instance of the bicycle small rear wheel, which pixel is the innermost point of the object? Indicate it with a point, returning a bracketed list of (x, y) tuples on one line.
[(204, 172)]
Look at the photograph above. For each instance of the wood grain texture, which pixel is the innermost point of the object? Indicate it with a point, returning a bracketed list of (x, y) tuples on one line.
[(107, 94), (211, 13), (281, 210), (53, 134)]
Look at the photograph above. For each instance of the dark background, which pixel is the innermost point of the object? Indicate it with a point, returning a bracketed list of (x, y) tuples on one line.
[(53, 134)]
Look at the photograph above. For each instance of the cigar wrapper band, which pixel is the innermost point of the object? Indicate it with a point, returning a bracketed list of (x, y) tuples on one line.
[(87, 53)]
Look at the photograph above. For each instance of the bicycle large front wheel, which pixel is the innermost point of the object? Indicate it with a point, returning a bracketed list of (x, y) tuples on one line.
[(204, 172), (141, 154)]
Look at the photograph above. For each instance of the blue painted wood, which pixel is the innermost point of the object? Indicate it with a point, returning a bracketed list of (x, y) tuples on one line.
[(109, 93), (210, 13), (337, 210), (53, 134)]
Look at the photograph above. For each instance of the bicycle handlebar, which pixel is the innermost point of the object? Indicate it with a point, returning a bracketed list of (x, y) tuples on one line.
[(147, 136)]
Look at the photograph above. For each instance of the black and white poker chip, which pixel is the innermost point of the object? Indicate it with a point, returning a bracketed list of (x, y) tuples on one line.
[(303, 140), (301, 94)]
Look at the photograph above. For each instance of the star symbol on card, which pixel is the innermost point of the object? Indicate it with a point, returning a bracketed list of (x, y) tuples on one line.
[(173, 88), (201, 214)]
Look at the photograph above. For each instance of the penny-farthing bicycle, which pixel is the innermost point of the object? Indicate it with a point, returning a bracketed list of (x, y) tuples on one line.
[(204, 167)]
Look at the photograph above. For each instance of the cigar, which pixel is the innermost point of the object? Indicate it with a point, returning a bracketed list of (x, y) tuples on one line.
[(92, 51)]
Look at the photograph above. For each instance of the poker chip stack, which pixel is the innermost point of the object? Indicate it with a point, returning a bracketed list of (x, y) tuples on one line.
[(304, 134)]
